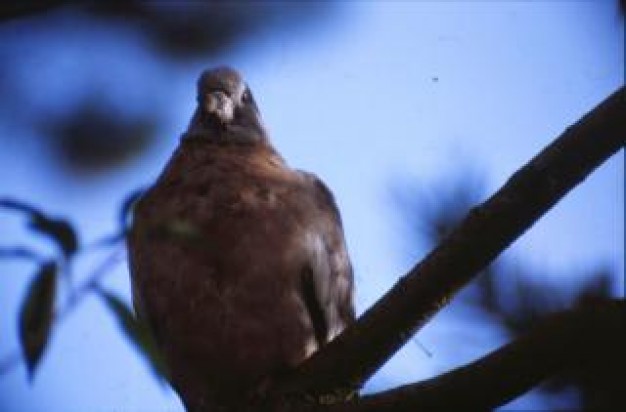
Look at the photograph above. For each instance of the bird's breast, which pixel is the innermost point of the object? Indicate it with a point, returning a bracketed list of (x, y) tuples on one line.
[(226, 286)]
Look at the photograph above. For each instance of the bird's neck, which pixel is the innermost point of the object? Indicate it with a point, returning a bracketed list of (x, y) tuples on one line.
[(195, 151), (245, 131)]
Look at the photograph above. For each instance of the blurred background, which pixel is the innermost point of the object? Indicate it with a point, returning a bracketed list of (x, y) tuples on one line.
[(411, 112)]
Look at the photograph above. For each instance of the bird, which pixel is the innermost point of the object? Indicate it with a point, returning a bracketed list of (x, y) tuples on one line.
[(238, 262)]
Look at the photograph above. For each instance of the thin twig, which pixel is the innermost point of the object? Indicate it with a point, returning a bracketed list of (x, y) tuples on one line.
[(92, 283)]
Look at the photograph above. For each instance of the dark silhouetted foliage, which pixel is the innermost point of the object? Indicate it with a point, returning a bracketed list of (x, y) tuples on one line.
[(91, 136), (509, 292), (36, 315)]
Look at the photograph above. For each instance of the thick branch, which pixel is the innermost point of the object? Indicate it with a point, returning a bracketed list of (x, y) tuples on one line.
[(562, 342), (488, 229)]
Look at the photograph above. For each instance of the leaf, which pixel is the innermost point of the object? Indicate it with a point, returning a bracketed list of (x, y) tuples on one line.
[(60, 230), (16, 205), (36, 315), (127, 207), (137, 332)]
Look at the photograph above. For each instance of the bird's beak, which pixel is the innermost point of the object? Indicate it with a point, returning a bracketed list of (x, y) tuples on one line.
[(219, 105)]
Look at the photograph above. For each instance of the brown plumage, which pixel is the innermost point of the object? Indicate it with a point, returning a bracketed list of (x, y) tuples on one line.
[(238, 262)]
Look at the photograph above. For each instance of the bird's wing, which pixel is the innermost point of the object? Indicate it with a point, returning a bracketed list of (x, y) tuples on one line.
[(327, 281)]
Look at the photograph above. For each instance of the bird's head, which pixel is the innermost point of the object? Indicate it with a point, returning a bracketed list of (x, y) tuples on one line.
[(226, 109)]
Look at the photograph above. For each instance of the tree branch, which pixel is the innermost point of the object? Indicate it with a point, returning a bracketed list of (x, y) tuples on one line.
[(566, 340), (488, 229)]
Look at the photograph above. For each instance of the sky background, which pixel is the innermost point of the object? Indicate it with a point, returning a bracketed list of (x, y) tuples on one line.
[(368, 96)]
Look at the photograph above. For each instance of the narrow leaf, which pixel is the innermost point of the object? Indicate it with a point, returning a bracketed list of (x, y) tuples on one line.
[(36, 315), (19, 206), (127, 208), (137, 332), (61, 231)]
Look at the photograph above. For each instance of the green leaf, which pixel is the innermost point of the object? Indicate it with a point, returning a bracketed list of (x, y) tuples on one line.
[(36, 315), (137, 332), (60, 230)]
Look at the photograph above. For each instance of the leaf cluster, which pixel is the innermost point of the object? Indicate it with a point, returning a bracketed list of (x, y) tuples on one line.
[(42, 306)]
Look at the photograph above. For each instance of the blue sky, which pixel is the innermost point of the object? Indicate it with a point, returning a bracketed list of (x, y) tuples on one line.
[(380, 91)]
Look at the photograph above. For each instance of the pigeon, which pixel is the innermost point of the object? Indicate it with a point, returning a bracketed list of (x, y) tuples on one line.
[(238, 262)]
